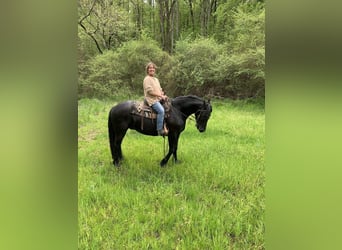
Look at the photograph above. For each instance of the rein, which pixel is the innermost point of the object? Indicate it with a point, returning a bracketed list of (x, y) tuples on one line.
[(191, 116), (164, 147)]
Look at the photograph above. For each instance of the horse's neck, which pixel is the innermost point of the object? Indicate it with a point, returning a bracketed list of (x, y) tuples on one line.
[(188, 108)]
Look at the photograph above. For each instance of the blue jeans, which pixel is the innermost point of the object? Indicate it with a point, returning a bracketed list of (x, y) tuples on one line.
[(160, 114)]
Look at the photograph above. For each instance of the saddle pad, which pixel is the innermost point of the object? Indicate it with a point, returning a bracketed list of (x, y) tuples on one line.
[(144, 110)]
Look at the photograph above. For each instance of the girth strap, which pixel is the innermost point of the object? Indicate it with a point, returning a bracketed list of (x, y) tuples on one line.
[(142, 123)]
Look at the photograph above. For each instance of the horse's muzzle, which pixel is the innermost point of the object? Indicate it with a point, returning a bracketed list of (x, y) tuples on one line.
[(201, 130)]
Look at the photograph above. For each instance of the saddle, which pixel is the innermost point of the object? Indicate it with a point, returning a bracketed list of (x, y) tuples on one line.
[(143, 110)]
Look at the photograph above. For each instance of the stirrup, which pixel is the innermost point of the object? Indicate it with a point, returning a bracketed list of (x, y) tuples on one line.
[(163, 132)]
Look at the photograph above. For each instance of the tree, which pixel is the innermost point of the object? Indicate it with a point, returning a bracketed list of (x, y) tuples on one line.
[(167, 15), (104, 22), (192, 18), (138, 12), (191, 31)]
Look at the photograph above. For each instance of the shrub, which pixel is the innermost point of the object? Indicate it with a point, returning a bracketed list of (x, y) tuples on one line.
[(123, 70), (239, 71), (133, 57), (102, 80), (191, 71), (240, 75), (232, 69)]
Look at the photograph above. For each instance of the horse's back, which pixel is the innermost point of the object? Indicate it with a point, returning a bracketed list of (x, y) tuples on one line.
[(122, 108), (121, 112), (124, 115)]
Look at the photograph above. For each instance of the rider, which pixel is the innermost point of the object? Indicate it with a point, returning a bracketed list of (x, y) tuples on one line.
[(153, 95)]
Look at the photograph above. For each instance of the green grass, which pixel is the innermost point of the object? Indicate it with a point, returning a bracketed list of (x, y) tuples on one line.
[(213, 199)]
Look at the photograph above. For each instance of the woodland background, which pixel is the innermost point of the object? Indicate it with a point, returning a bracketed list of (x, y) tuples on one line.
[(209, 48)]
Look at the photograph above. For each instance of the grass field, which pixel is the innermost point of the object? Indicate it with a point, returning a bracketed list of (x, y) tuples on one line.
[(213, 199)]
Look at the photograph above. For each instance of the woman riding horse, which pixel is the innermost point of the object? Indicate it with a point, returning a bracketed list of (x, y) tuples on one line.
[(153, 95), (123, 116)]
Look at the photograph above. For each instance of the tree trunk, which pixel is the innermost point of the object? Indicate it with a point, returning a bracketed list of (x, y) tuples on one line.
[(192, 16), (161, 24)]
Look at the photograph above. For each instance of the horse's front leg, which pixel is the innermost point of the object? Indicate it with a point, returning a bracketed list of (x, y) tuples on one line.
[(173, 141), (166, 158)]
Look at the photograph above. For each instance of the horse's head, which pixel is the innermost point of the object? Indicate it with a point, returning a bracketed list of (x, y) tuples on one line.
[(202, 116)]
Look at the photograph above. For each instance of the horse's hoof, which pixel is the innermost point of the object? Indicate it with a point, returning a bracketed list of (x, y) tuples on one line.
[(163, 163), (116, 163), (178, 161)]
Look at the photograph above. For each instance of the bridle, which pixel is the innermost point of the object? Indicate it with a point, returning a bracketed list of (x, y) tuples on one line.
[(196, 113), (200, 113), (191, 118)]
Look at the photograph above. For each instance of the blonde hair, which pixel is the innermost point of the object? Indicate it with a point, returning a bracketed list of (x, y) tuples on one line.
[(149, 65)]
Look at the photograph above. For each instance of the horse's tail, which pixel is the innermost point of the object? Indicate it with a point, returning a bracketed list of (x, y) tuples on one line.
[(111, 134)]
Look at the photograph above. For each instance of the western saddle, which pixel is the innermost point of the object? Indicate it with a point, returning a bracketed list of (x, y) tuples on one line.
[(143, 110)]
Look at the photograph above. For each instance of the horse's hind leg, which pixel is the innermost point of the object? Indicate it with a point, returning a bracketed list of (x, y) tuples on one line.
[(117, 147), (115, 140), (112, 139), (116, 152), (116, 158)]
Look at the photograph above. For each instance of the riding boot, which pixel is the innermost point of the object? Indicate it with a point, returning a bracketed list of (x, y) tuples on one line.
[(163, 132), (166, 130)]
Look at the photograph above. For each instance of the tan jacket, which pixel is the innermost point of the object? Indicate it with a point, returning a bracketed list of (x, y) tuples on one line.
[(151, 84)]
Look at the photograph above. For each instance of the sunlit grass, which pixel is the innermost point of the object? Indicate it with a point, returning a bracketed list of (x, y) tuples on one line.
[(213, 199)]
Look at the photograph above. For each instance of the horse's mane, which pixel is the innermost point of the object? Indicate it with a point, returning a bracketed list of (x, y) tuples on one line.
[(182, 98)]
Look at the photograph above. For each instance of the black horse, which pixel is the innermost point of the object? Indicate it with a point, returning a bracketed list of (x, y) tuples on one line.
[(122, 117)]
